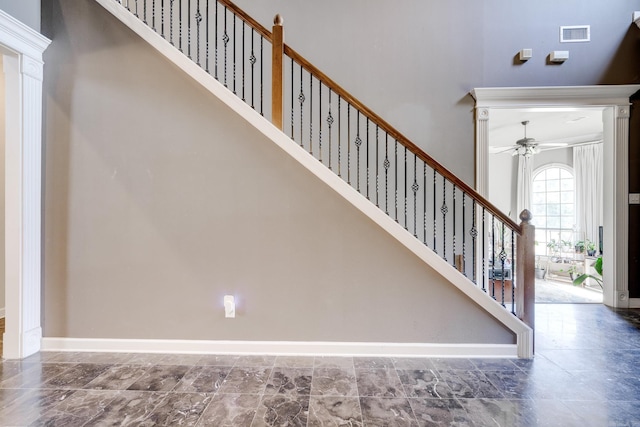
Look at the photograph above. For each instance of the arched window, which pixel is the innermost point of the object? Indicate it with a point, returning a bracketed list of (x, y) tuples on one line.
[(552, 206)]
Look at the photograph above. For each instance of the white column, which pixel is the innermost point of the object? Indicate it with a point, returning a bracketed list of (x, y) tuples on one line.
[(23, 165), (621, 114), (482, 151)]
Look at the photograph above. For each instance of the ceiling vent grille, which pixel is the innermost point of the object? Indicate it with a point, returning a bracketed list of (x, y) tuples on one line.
[(575, 33)]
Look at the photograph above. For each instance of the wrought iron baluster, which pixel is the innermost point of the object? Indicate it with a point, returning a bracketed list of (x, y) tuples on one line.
[(189, 28), (415, 187), (444, 209), (339, 136), (376, 162), (395, 180), (358, 144), (153, 14), (225, 41), (329, 123), (367, 152), (406, 225), (261, 75), (162, 18), (348, 143), (493, 257), (243, 60), (386, 166), (311, 113), (503, 258), (180, 24), (435, 218), (144, 12), (215, 44), (206, 35), (292, 119), (198, 21), (484, 249), (320, 121), (424, 203), (454, 225), (171, 2), (474, 234), (464, 228), (235, 37), (252, 61), (513, 273), (136, 8), (301, 98)]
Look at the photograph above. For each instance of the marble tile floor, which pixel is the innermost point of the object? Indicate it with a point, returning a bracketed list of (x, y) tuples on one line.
[(585, 373)]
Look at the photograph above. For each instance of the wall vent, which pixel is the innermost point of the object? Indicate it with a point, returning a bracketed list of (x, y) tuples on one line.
[(575, 33)]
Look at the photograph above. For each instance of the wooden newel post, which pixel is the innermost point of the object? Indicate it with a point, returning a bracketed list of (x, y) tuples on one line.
[(276, 76), (526, 278)]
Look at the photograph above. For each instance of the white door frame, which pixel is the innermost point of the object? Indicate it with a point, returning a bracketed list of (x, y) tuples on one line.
[(615, 100), (22, 49)]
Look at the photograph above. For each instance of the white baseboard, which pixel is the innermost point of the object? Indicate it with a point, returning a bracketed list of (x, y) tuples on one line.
[(289, 348), (634, 302)]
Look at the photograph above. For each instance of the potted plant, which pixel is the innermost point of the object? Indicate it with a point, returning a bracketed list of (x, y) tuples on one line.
[(597, 265), (591, 248), (554, 248), (580, 247)]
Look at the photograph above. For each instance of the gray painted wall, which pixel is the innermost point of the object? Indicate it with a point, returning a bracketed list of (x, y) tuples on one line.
[(159, 201), (26, 11), (414, 61)]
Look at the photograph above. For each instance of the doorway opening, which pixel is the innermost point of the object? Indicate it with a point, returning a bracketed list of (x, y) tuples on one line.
[(612, 105)]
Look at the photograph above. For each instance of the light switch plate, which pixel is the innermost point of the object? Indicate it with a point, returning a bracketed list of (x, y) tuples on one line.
[(634, 198)]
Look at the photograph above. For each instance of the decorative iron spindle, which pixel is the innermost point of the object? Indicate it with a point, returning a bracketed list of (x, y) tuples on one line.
[(493, 257), (189, 28), (454, 226), (367, 152), (358, 143), (180, 25), (513, 273), (406, 222), (424, 203), (153, 15), (320, 121), (261, 75), (301, 98), (503, 258), (386, 165), (329, 123), (198, 21), (225, 41), (215, 45), (234, 53), (243, 63), (170, 20), (395, 181), (206, 35), (144, 12), (474, 234), (292, 106), (435, 218), (483, 240), (444, 209), (339, 137), (348, 143), (311, 114), (252, 61), (376, 162), (162, 18), (136, 12), (415, 187), (464, 221)]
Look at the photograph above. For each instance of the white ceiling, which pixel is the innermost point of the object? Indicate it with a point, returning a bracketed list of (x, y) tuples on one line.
[(567, 125)]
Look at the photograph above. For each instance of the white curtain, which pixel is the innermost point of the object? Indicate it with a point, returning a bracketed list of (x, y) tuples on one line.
[(523, 200), (588, 174)]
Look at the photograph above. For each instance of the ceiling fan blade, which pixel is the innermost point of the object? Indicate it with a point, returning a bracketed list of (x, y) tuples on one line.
[(499, 150)]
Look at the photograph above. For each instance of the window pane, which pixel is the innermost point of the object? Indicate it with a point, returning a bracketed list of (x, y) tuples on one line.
[(566, 185), (553, 209), (538, 186), (553, 173), (538, 210), (566, 197), (553, 185), (567, 210), (553, 197), (538, 198), (565, 174), (553, 222), (568, 223)]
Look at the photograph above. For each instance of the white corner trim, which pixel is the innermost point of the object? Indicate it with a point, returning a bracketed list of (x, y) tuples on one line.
[(520, 330), (280, 348), (2, 315)]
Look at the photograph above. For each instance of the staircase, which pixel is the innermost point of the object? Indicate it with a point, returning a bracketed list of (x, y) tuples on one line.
[(424, 206)]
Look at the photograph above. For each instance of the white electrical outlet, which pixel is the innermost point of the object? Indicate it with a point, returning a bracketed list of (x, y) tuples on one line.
[(229, 306)]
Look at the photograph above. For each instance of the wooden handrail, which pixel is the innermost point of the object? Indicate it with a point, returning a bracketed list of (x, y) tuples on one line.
[(383, 124), (246, 18), (339, 90)]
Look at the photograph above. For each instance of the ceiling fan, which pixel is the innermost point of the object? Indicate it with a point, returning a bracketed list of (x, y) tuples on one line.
[(526, 146)]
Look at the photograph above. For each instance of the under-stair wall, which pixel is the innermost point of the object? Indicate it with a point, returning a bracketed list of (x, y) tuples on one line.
[(160, 200)]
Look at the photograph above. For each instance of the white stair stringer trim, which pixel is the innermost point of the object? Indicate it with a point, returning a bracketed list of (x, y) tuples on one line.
[(279, 348), (523, 333)]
